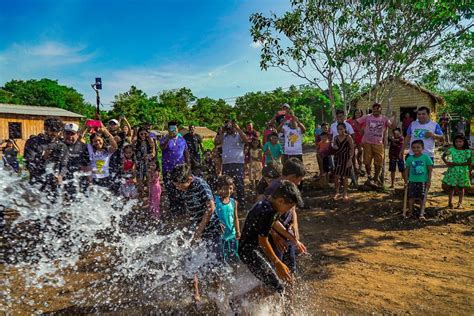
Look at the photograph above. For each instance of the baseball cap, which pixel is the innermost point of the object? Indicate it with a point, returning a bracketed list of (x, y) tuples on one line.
[(71, 127), (285, 105), (272, 170), (114, 121)]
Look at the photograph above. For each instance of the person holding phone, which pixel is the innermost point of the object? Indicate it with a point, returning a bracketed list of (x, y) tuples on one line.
[(293, 131), (233, 141), (174, 152)]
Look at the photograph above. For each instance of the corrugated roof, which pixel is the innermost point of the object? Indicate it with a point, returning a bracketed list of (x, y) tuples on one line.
[(36, 110)]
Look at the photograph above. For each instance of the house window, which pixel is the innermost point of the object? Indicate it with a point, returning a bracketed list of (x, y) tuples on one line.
[(14, 130)]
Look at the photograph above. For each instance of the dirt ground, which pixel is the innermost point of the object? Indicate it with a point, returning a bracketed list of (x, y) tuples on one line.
[(363, 259)]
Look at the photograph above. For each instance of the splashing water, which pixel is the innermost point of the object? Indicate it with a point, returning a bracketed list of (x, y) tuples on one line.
[(101, 256)]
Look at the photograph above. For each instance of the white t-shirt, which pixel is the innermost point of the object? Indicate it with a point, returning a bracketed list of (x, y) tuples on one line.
[(232, 149), (417, 131), (99, 162), (293, 140), (333, 130)]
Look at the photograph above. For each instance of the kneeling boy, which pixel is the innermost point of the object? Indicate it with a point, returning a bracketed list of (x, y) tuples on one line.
[(255, 249)]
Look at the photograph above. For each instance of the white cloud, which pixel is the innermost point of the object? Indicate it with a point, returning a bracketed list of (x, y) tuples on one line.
[(257, 44), (20, 59)]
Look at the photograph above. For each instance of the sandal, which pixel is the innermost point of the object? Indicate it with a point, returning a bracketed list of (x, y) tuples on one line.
[(422, 218)]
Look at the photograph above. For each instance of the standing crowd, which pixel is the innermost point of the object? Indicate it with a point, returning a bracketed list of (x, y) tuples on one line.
[(207, 187)]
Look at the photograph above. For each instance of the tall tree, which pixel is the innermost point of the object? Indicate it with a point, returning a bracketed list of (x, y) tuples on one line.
[(45, 92)]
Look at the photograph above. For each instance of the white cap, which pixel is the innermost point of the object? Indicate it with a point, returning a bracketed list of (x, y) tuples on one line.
[(285, 105), (114, 121), (71, 127)]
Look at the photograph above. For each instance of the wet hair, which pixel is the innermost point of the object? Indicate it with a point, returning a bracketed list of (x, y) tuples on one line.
[(397, 129), (171, 123), (224, 180), (53, 124), (180, 173), (465, 145), (293, 167), (339, 112), (289, 192), (423, 108), (420, 142), (324, 124)]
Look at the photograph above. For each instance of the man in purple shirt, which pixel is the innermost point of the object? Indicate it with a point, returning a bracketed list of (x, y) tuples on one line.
[(174, 152)]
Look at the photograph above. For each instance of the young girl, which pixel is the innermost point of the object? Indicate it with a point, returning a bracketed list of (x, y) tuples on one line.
[(226, 211), (344, 151), (154, 189), (99, 156), (323, 151), (128, 188), (458, 160), (256, 155)]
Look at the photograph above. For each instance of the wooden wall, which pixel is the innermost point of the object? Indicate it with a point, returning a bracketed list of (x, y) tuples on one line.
[(404, 96), (30, 125)]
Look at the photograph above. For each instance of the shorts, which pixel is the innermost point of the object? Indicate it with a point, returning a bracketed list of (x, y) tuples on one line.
[(262, 269), (328, 164), (373, 152), (392, 165), (230, 250), (416, 190)]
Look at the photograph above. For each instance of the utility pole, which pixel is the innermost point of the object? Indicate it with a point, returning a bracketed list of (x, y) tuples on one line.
[(96, 87)]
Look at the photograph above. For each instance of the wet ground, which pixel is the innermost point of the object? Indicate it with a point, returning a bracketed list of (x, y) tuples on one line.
[(364, 258)]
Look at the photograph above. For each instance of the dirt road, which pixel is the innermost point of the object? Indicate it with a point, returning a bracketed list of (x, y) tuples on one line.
[(364, 258)]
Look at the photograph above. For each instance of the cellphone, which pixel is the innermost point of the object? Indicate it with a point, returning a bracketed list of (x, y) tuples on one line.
[(93, 123)]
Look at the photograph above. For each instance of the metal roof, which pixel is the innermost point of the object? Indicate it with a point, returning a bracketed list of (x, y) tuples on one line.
[(36, 110)]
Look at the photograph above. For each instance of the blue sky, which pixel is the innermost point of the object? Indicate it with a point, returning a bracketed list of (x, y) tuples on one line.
[(155, 45)]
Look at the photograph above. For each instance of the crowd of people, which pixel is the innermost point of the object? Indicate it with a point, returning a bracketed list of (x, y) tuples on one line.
[(207, 187)]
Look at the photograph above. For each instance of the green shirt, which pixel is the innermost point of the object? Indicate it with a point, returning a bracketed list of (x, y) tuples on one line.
[(276, 151), (418, 168)]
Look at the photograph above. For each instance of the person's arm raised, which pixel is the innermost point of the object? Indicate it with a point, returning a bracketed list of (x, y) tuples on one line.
[(242, 135)]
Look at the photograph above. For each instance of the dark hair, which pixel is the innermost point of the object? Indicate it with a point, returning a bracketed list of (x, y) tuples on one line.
[(339, 112), (376, 104), (397, 129), (273, 134), (342, 124), (293, 167), (180, 173), (171, 123), (324, 124), (224, 180), (423, 108), (128, 146), (53, 124), (289, 192), (418, 141), (272, 170), (354, 113), (461, 136), (94, 136), (142, 129)]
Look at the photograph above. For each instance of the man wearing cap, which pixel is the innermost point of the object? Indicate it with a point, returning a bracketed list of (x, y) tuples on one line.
[(78, 160), (279, 117), (116, 160), (47, 158)]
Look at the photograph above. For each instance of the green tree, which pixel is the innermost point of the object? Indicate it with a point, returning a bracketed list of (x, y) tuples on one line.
[(45, 92)]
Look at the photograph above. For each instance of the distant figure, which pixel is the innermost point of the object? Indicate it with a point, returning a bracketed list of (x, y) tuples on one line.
[(407, 119), (195, 149), (396, 145), (10, 155), (461, 126), (458, 159), (444, 123), (154, 189)]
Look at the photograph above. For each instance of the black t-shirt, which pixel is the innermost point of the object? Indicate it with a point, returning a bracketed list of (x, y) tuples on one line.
[(116, 158), (34, 155), (259, 222), (287, 218), (193, 141), (78, 157)]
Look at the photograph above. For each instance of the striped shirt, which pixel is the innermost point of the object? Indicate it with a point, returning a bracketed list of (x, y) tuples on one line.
[(196, 199)]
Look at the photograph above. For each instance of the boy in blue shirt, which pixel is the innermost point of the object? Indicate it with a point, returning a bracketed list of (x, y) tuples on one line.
[(226, 211), (419, 168)]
